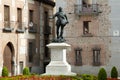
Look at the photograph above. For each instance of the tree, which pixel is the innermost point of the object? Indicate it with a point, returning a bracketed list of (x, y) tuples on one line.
[(102, 75), (4, 71), (26, 71), (114, 72)]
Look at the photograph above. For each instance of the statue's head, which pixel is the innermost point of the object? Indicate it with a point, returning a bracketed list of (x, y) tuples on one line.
[(60, 9)]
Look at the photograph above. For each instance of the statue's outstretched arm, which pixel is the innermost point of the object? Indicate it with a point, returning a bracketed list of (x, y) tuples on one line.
[(55, 15), (52, 17)]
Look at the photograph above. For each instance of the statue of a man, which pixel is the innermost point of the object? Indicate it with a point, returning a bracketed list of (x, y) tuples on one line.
[(60, 23)]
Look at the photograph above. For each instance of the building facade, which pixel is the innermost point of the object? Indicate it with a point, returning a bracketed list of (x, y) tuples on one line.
[(46, 31), (17, 34), (93, 33), (20, 34)]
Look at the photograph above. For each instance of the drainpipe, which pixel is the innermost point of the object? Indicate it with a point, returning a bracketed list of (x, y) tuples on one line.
[(41, 38), (17, 64)]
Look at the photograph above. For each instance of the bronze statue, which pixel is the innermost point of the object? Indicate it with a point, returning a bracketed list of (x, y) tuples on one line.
[(60, 24)]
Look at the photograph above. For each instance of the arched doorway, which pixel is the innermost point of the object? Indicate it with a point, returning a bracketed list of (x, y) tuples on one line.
[(8, 57)]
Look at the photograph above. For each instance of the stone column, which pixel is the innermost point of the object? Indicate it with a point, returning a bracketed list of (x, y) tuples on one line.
[(58, 64)]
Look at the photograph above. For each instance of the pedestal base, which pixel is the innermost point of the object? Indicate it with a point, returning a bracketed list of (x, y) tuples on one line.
[(58, 64)]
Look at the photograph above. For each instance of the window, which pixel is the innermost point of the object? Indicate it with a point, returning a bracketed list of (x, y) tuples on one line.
[(85, 27), (21, 67), (47, 29), (20, 28), (86, 32), (19, 17), (30, 54), (96, 57), (6, 16), (78, 56), (32, 25), (45, 18), (31, 50), (30, 15)]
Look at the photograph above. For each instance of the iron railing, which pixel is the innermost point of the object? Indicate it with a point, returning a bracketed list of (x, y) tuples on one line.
[(20, 27), (32, 28), (8, 26), (92, 9)]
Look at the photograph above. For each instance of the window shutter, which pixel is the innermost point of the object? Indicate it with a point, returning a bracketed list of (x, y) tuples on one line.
[(19, 17), (30, 15), (6, 16)]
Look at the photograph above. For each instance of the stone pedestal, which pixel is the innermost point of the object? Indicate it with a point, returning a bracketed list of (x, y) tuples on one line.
[(58, 64)]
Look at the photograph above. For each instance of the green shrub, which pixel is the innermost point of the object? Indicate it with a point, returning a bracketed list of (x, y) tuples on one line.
[(114, 72), (87, 77), (26, 71), (102, 75), (4, 71)]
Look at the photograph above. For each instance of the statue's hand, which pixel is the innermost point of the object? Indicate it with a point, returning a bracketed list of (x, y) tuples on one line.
[(67, 22), (51, 17)]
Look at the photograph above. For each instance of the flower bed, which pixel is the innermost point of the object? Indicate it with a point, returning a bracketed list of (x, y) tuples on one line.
[(62, 77), (49, 77), (33, 77), (112, 79)]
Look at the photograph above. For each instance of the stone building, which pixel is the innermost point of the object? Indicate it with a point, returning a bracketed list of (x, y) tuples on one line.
[(93, 33), (46, 31), (21, 23)]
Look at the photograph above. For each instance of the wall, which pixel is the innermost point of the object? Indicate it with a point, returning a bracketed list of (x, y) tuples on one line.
[(114, 32)]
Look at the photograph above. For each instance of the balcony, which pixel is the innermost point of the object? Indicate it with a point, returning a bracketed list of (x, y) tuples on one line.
[(32, 28), (91, 9), (8, 26), (20, 27)]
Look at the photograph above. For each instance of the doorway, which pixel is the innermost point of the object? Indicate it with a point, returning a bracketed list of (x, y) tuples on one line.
[(8, 58)]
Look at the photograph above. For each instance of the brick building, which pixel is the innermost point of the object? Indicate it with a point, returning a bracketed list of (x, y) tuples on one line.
[(46, 31), (21, 27), (92, 24)]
